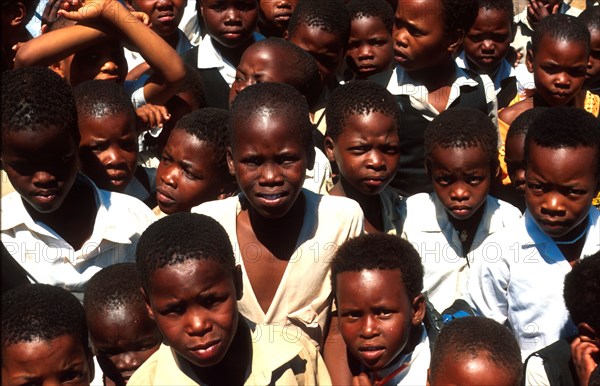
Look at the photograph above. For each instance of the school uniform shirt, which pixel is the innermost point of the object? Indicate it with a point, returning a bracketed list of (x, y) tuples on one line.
[(134, 58), (49, 259), (317, 178), (393, 207), (275, 361), (140, 190), (303, 299), (519, 282), (446, 265)]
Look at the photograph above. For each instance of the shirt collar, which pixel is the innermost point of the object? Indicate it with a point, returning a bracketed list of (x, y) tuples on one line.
[(208, 56), (504, 71)]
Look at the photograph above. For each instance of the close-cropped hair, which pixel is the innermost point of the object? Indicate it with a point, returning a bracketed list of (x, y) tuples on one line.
[(370, 252), (523, 122), (565, 127), (358, 97), (590, 17), (179, 238), (474, 337), (41, 312), (380, 9), (272, 99), (35, 99), (459, 15), (560, 27), (327, 15), (500, 5), (99, 98), (209, 125), (114, 287), (582, 292), (462, 128), (193, 85)]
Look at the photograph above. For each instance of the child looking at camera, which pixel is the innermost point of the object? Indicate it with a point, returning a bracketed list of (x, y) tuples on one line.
[(274, 16), (192, 285), (449, 226)]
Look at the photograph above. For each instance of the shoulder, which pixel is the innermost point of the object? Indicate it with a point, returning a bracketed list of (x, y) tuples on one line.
[(510, 113), (331, 204), (118, 203), (217, 208), (146, 373), (507, 211)]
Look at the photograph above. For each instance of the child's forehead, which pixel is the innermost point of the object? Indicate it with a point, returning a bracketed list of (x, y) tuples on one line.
[(459, 155), (549, 43), (421, 10), (486, 13), (354, 279)]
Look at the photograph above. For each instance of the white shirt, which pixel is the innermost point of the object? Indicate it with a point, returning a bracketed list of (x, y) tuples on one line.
[(135, 58), (505, 70), (447, 266), (47, 257), (519, 282), (316, 178)]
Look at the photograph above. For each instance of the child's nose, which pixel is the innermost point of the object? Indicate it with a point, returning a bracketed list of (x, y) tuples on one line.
[(127, 361), (232, 15), (376, 161), (369, 327), (43, 178), (460, 193), (169, 177), (488, 46), (552, 205), (365, 52), (110, 67), (400, 37), (269, 175), (197, 324), (113, 157)]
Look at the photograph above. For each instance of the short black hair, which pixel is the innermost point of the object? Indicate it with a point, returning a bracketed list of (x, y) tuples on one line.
[(41, 312), (99, 98), (475, 336), (523, 122), (565, 28), (582, 292), (458, 15), (113, 287), (209, 125), (463, 128), (302, 68), (359, 9), (181, 237), (328, 15), (500, 5), (193, 85), (272, 99), (380, 252), (37, 98), (565, 127), (590, 17), (358, 97)]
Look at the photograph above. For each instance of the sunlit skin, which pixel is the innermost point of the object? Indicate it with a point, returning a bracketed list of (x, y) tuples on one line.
[(487, 42), (229, 22), (592, 75), (478, 371), (515, 162), (376, 316), (61, 361), (108, 149), (274, 16), (370, 48), (560, 186), (165, 16)]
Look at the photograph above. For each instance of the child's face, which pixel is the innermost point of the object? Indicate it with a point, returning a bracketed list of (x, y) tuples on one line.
[(102, 61), (123, 339), (487, 42), (327, 48), (108, 150), (165, 15), (420, 41), (40, 165), (560, 186), (477, 371), (194, 305), (375, 315), (370, 48), (63, 360), (259, 64), (559, 69), (593, 71), (461, 179), (277, 13), (186, 175), (515, 162), (269, 163), (366, 151), (230, 22)]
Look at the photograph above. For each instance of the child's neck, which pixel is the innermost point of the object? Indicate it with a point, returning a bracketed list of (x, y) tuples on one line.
[(467, 228), (576, 101), (232, 54), (172, 39), (74, 220), (370, 204), (571, 244), (434, 78)]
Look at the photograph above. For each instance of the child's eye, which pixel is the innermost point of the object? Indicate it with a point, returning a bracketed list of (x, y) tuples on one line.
[(443, 180), (534, 187), (191, 176), (577, 192), (473, 180), (165, 159), (358, 150), (391, 149), (352, 315), (71, 375)]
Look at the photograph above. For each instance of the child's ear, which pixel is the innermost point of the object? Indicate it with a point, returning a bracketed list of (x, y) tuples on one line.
[(58, 68), (147, 301), (237, 278), (17, 14), (529, 60), (286, 35), (230, 161), (329, 145), (456, 40), (418, 306)]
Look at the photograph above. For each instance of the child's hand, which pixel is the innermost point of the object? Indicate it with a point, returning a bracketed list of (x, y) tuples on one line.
[(143, 17), (361, 379), (585, 354), (79, 10), (51, 13), (153, 115), (536, 11)]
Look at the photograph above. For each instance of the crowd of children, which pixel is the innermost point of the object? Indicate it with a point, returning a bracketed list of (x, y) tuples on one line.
[(311, 192)]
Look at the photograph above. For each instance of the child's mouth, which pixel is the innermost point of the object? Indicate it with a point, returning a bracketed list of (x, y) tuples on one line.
[(371, 353), (271, 199)]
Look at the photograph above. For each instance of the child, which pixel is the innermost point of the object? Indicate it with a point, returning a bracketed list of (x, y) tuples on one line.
[(573, 358), (378, 281), (191, 286), (44, 337), (370, 47), (427, 81), (486, 45), (282, 234), (122, 334), (362, 139), (108, 147), (15, 16), (193, 166), (274, 16), (58, 225), (475, 351), (230, 26), (517, 281), (449, 227), (591, 18)]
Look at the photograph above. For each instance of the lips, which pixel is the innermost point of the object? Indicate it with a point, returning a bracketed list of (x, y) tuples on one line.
[(45, 196), (400, 57), (283, 16), (232, 34), (166, 17), (371, 354), (271, 198), (163, 196), (118, 178), (204, 352)]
